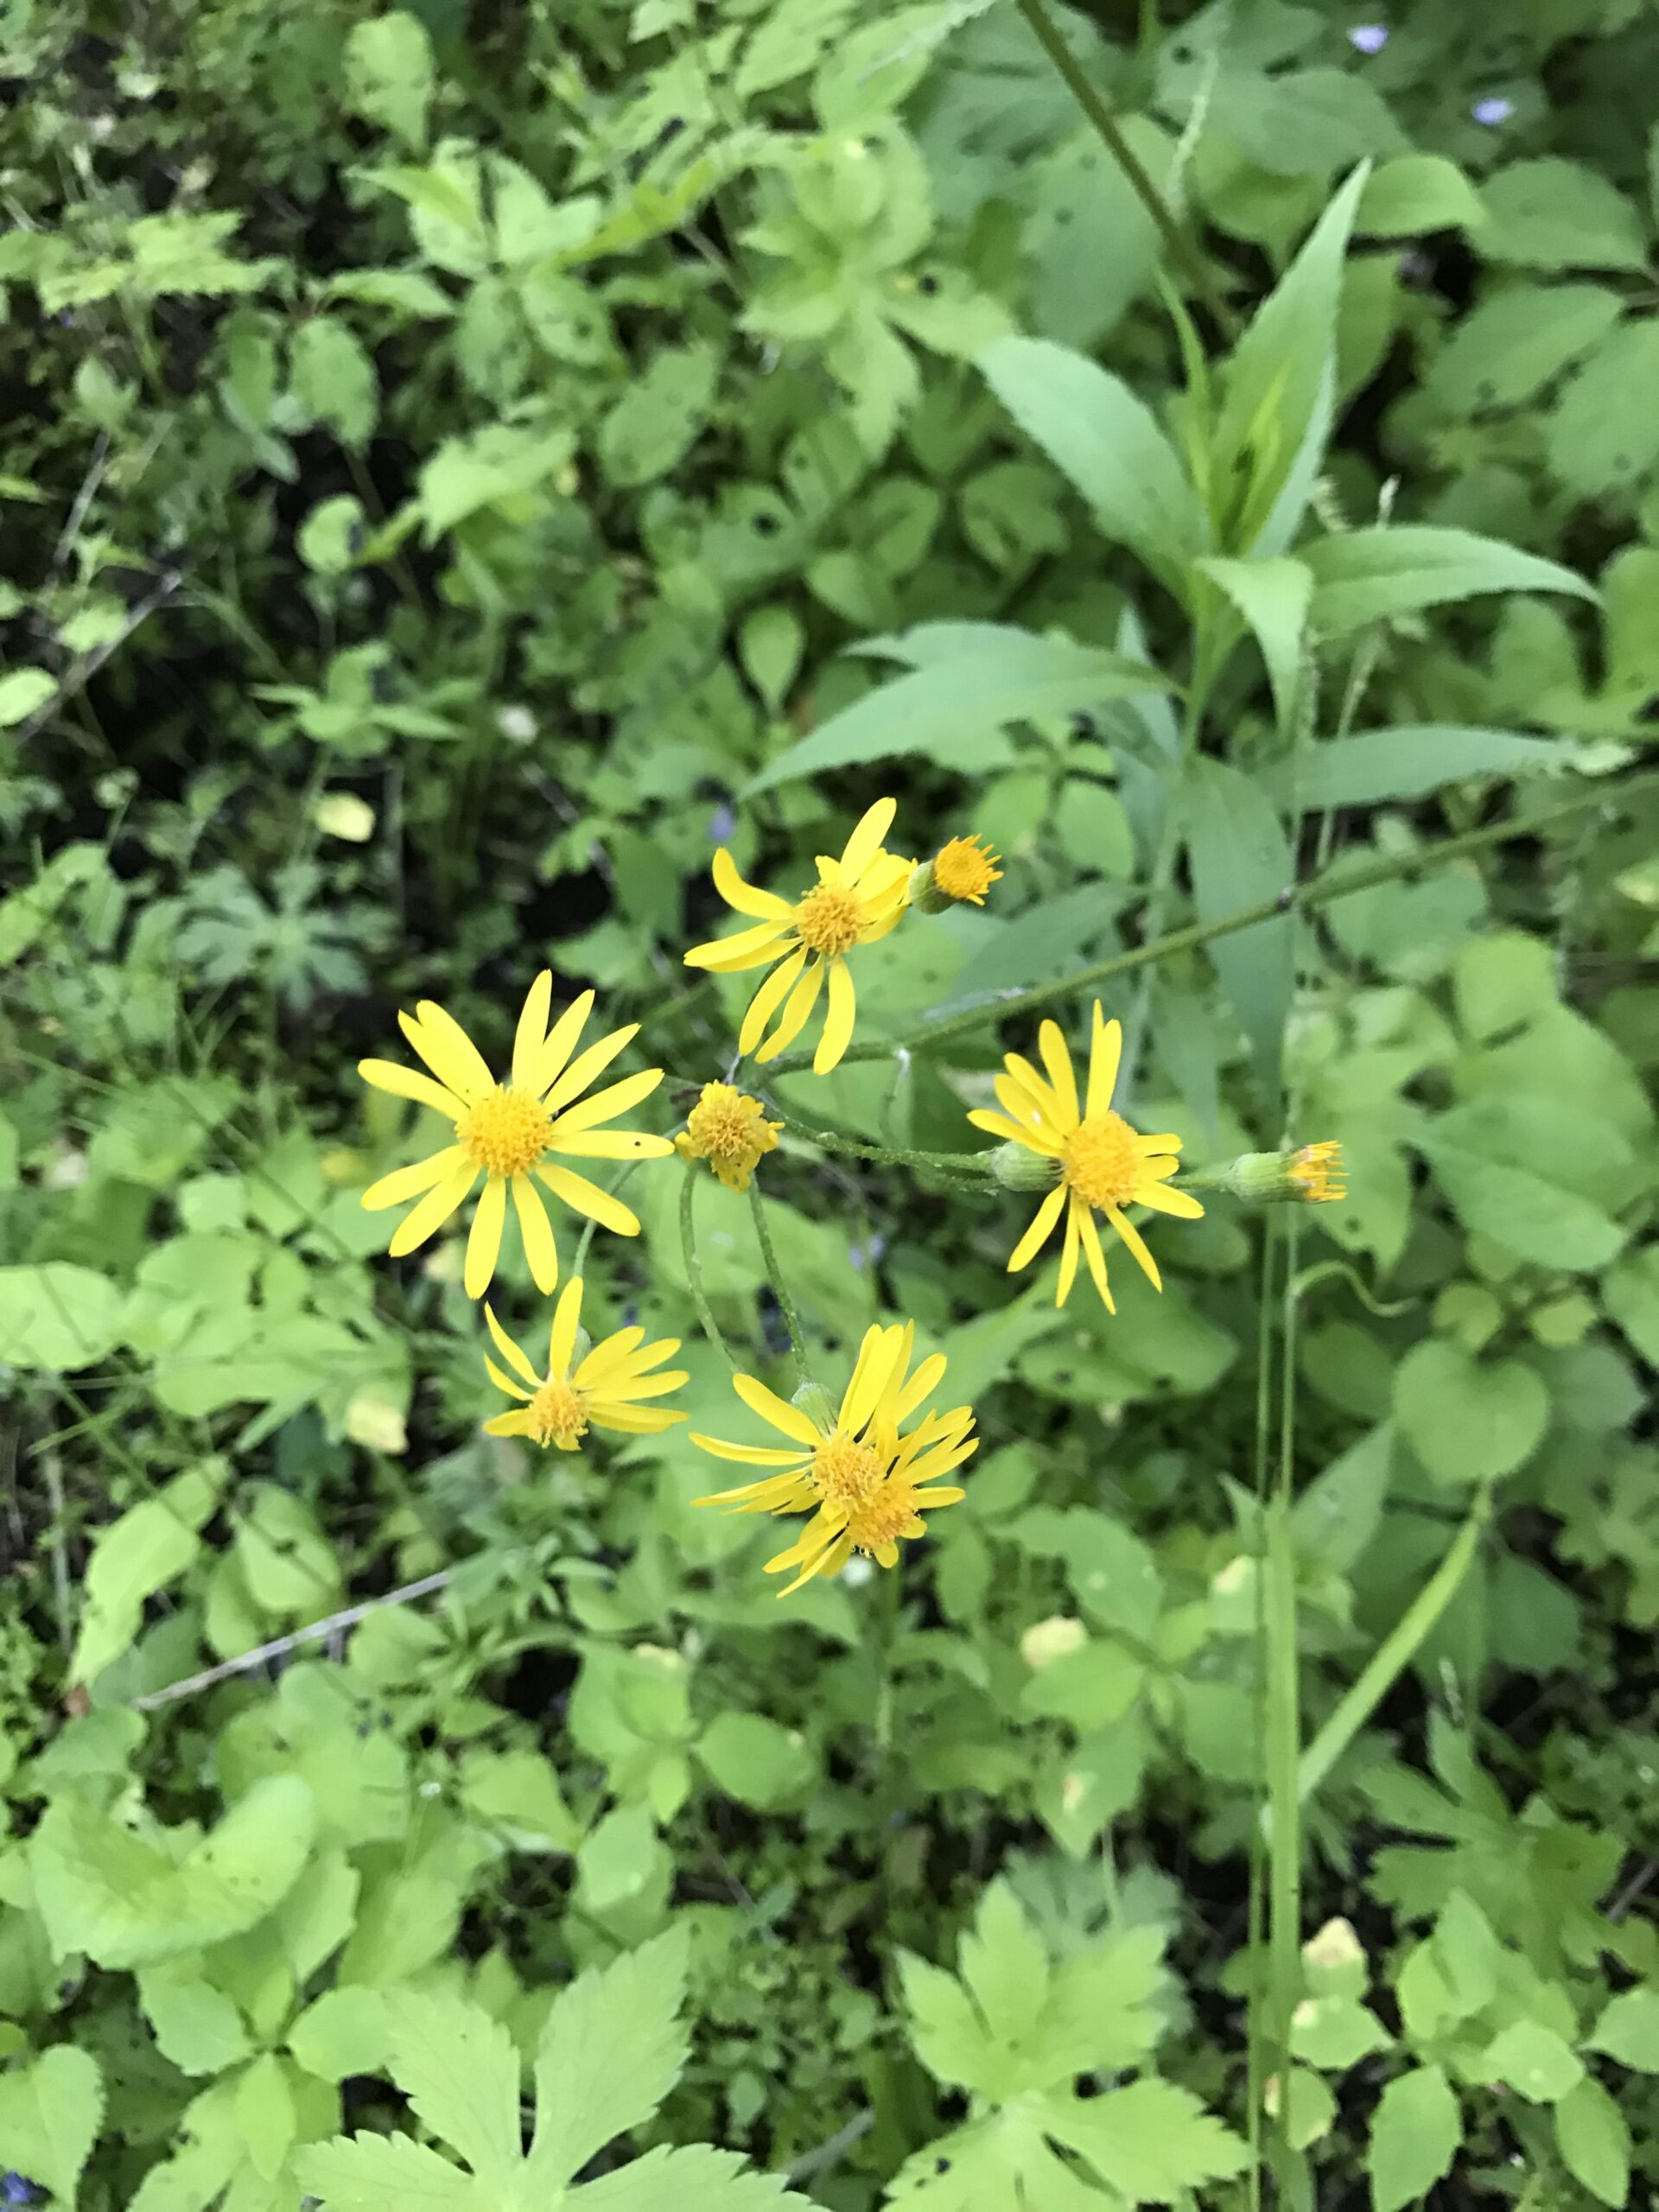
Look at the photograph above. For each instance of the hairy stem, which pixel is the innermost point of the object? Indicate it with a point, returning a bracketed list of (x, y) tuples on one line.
[(780, 1287), (694, 1269)]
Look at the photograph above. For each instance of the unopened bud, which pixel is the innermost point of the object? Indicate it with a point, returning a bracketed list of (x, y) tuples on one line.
[(814, 1401), (1309, 1176), (1017, 1168)]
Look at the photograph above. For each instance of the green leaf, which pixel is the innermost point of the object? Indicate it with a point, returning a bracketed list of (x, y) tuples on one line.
[(197, 2027), (332, 376), (460, 2072), (345, 2032), (1417, 193), (1240, 854), (133, 1558), (1006, 675), (1416, 759), (57, 1316), (658, 417), (1594, 2141), (1106, 440), (1534, 2061), (612, 2049), (1150, 2142), (1415, 2131), (389, 75), (1274, 596), (699, 2179), (1335, 1515), (757, 1761), (493, 466), (1629, 2029), (1373, 576), (50, 2114), (1510, 347), (102, 1891), (1602, 437), (1509, 1163), (1559, 214), (377, 2173), (1468, 1421), (24, 693), (947, 2033), (265, 2116), (1004, 1965)]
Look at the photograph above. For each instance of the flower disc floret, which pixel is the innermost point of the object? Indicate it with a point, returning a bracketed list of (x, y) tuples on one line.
[(558, 1414), (828, 920), (729, 1130), (966, 869), (1318, 1170), (506, 1134), (1102, 1161), (845, 1471)]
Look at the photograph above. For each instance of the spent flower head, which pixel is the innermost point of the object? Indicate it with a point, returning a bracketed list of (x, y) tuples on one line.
[(512, 1132), (730, 1131), (604, 1386)]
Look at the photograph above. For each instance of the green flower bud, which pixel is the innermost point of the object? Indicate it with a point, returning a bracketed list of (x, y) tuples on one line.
[(1309, 1177), (1017, 1168), (814, 1401)]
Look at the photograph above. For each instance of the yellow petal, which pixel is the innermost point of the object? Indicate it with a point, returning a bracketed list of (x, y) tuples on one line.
[(789, 1420), (828, 1563), (434, 1210), (537, 1233), (747, 949), (747, 1455), (837, 1032), (796, 1014), (561, 1042), (632, 1421), (865, 843), (532, 1033), (1095, 1257), (605, 1105), (1105, 1050), (878, 1354), (768, 999), (562, 1337), (517, 1424), (610, 1357), (629, 1389), (1037, 1233), (483, 1240), (405, 1183), (587, 1066), (772, 1491), (448, 1050), (999, 1125), (1132, 1236), (614, 1144), (504, 1381), (406, 1083), (940, 1462), (1162, 1199), (508, 1350), (586, 1197), (1069, 1253), (745, 898), (1042, 1094), (1056, 1058), (922, 1385)]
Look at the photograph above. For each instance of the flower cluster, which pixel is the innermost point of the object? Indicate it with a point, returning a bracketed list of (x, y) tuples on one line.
[(866, 1473)]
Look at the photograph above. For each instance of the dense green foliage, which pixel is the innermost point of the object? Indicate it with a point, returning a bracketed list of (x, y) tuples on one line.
[(461, 466)]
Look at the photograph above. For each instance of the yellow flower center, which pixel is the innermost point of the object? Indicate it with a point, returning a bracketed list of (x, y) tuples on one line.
[(558, 1414), (882, 1517), (965, 870), (1317, 1171), (828, 920), (725, 1126), (1101, 1161), (846, 1472), (506, 1133)]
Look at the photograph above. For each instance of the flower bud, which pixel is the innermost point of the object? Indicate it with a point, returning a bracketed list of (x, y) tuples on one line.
[(814, 1401), (1309, 1177), (1016, 1168)]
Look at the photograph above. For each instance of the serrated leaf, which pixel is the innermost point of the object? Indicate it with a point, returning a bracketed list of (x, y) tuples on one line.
[(611, 2052), (1415, 2131), (1004, 1966), (1376, 574), (697, 2179), (196, 2026), (1416, 193), (460, 2072), (50, 2114), (1507, 349), (1509, 1163), (1559, 214), (1274, 596), (1602, 438), (1150, 2142), (388, 74), (344, 2032), (1534, 2061), (1406, 762), (949, 2036), (379, 2173)]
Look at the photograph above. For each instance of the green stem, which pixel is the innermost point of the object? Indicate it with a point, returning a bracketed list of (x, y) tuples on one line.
[(1294, 899), (779, 1288), (889, 1155), (1169, 846), (1180, 248), (1395, 1653), (694, 1269)]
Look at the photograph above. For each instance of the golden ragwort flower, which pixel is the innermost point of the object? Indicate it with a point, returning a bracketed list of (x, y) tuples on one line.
[(603, 1390), (1099, 1163), (870, 1481), (856, 899), (729, 1130), (963, 870), (506, 1131), (1318, 1170)]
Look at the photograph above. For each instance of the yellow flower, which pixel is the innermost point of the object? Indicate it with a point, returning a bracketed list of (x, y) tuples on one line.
[(856, 899), (965, 869), (1317, 1171), (1098, 1162), (869, 1480), (506, 1131), (730, 1132), (604, 1390)]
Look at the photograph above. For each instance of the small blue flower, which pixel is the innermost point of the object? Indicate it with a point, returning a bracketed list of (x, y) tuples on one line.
[(721, 828), (866, 1256), (15, 2189), (1368, 38), (1493, 110)]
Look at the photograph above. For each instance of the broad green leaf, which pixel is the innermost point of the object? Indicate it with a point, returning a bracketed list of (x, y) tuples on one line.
[(1274, 596), (1468, 1421), (265, 2116), (1417, 193), (1510, 347), (1011, 676), (460, 2072), (1416, 759), (1602, 436), (102, 1891), (345, 2032), (1629, 2029), (24, 693), (611, 2052), (1534, 2061), (698, 2179), (1415, 2131), (197, 2027), (1151, 2142), (50, 2114), (1559, 214), (1106, 440), (1004, 1965), (333, 378), (1521, 1169), (659, 416), (947, 2035), (1593, 2138), (757, 1761), (1280, 387), (379, 2173), (1374, 576), (1239, 855), (132, 1559), (493, 466), (1101, 2011), (25, 915), (389, 75), (1335, 1515), (57, 1316)]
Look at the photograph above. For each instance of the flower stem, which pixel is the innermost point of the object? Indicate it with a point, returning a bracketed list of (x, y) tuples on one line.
[(889, 1155), (694, 1269), (1295, 898), (779, 1288)]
